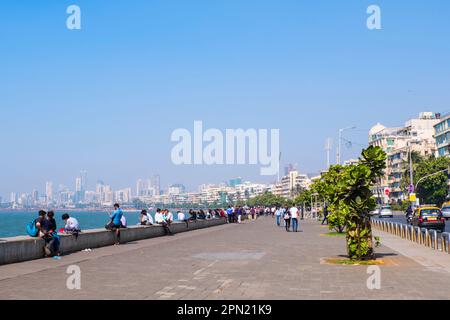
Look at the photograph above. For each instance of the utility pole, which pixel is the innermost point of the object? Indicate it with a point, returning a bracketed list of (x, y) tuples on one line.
[(339, 153)]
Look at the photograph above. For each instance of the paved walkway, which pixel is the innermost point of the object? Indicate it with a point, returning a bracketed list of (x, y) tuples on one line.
[(254, 260)]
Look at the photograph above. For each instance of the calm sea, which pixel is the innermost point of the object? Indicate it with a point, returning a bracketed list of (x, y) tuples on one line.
[(14, 223)]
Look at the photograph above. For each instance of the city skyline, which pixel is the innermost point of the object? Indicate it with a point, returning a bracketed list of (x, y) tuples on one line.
[(50, 188)]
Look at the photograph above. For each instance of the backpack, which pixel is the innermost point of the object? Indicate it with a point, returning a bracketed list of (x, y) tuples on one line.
[(32, 230)]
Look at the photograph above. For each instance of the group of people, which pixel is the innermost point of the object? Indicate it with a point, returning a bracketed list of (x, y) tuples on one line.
[(44, 226), (162, 217), (290, 216)]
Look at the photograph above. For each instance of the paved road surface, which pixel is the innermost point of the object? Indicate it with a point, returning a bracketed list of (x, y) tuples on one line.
[(254, 260)]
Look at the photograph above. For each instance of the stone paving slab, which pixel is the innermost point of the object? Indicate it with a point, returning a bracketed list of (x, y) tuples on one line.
[(250, 261)]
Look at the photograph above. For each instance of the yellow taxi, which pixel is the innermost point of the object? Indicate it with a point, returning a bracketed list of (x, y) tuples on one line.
[(429, 217)]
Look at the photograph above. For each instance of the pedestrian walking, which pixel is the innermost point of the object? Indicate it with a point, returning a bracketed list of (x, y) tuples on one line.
[(278, 216), (325, 215), (294, 217), (287, 220)]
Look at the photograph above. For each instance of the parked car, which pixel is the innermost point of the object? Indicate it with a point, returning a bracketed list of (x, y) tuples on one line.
[(429, 217), (446, 210), (385, 212)]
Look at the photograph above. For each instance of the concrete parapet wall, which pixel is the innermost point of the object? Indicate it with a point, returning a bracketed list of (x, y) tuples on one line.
[(24, 248)]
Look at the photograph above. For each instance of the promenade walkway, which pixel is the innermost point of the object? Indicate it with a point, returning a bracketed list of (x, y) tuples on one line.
[(254, 260)]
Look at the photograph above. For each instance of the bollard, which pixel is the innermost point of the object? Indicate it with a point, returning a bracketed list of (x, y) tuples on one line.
[(426, 237), (434, 239), (412, 233), (445, 237)]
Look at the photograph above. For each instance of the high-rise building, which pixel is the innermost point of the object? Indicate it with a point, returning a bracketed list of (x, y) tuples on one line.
[(78, 190), (49, 191), (156, 184), (35, 196), (100, 191), (83, 176), (13, 197)]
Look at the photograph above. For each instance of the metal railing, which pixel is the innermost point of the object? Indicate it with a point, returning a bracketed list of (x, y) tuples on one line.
[(428, 238)]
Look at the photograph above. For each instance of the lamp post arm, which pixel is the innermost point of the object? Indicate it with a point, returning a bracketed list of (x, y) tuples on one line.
[(428, 176)]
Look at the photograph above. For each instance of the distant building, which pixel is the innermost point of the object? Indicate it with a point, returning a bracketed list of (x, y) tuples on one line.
[(416, 135), (234, 182), (49, 191), (442, 136), (155, 183), (289, 168), (176, 189), (291, 184)]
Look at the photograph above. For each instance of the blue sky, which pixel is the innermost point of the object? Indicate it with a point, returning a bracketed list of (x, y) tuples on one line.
[(106, 98)]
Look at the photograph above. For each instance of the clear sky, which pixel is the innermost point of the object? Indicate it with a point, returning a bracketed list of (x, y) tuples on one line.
[(106, 98)]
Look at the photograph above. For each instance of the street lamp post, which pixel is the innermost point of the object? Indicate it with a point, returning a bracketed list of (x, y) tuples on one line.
[(340, 142)]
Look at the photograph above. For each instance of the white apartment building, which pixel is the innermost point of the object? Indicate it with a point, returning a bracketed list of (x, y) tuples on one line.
[(291, 184), (416, 135)]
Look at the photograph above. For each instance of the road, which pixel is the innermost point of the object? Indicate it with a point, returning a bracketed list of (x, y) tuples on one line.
[(401, 218)]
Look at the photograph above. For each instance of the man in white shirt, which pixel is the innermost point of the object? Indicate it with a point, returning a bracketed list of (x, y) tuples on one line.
[(71, 225), (168, 217), (146, 218), (294, 216), (159, 219)]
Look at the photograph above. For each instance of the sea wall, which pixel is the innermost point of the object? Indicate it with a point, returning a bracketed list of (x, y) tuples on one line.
[(24, 248)]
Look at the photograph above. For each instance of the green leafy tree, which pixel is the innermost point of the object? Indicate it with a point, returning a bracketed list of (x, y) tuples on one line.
[(348, 191), (355, 198), (434, 189)]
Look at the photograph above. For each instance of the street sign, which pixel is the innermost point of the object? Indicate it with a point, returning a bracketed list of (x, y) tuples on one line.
[(387, 192), (412, 197)]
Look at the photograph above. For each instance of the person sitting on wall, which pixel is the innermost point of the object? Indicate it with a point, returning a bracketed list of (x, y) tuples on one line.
[(182, 218), (50, 235), (115, 223), (146, 218), (71, 225)]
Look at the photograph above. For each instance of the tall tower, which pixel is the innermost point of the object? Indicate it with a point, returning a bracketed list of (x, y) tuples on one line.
[(49, 191), (156, 184), (83, 176), (328, 146)]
